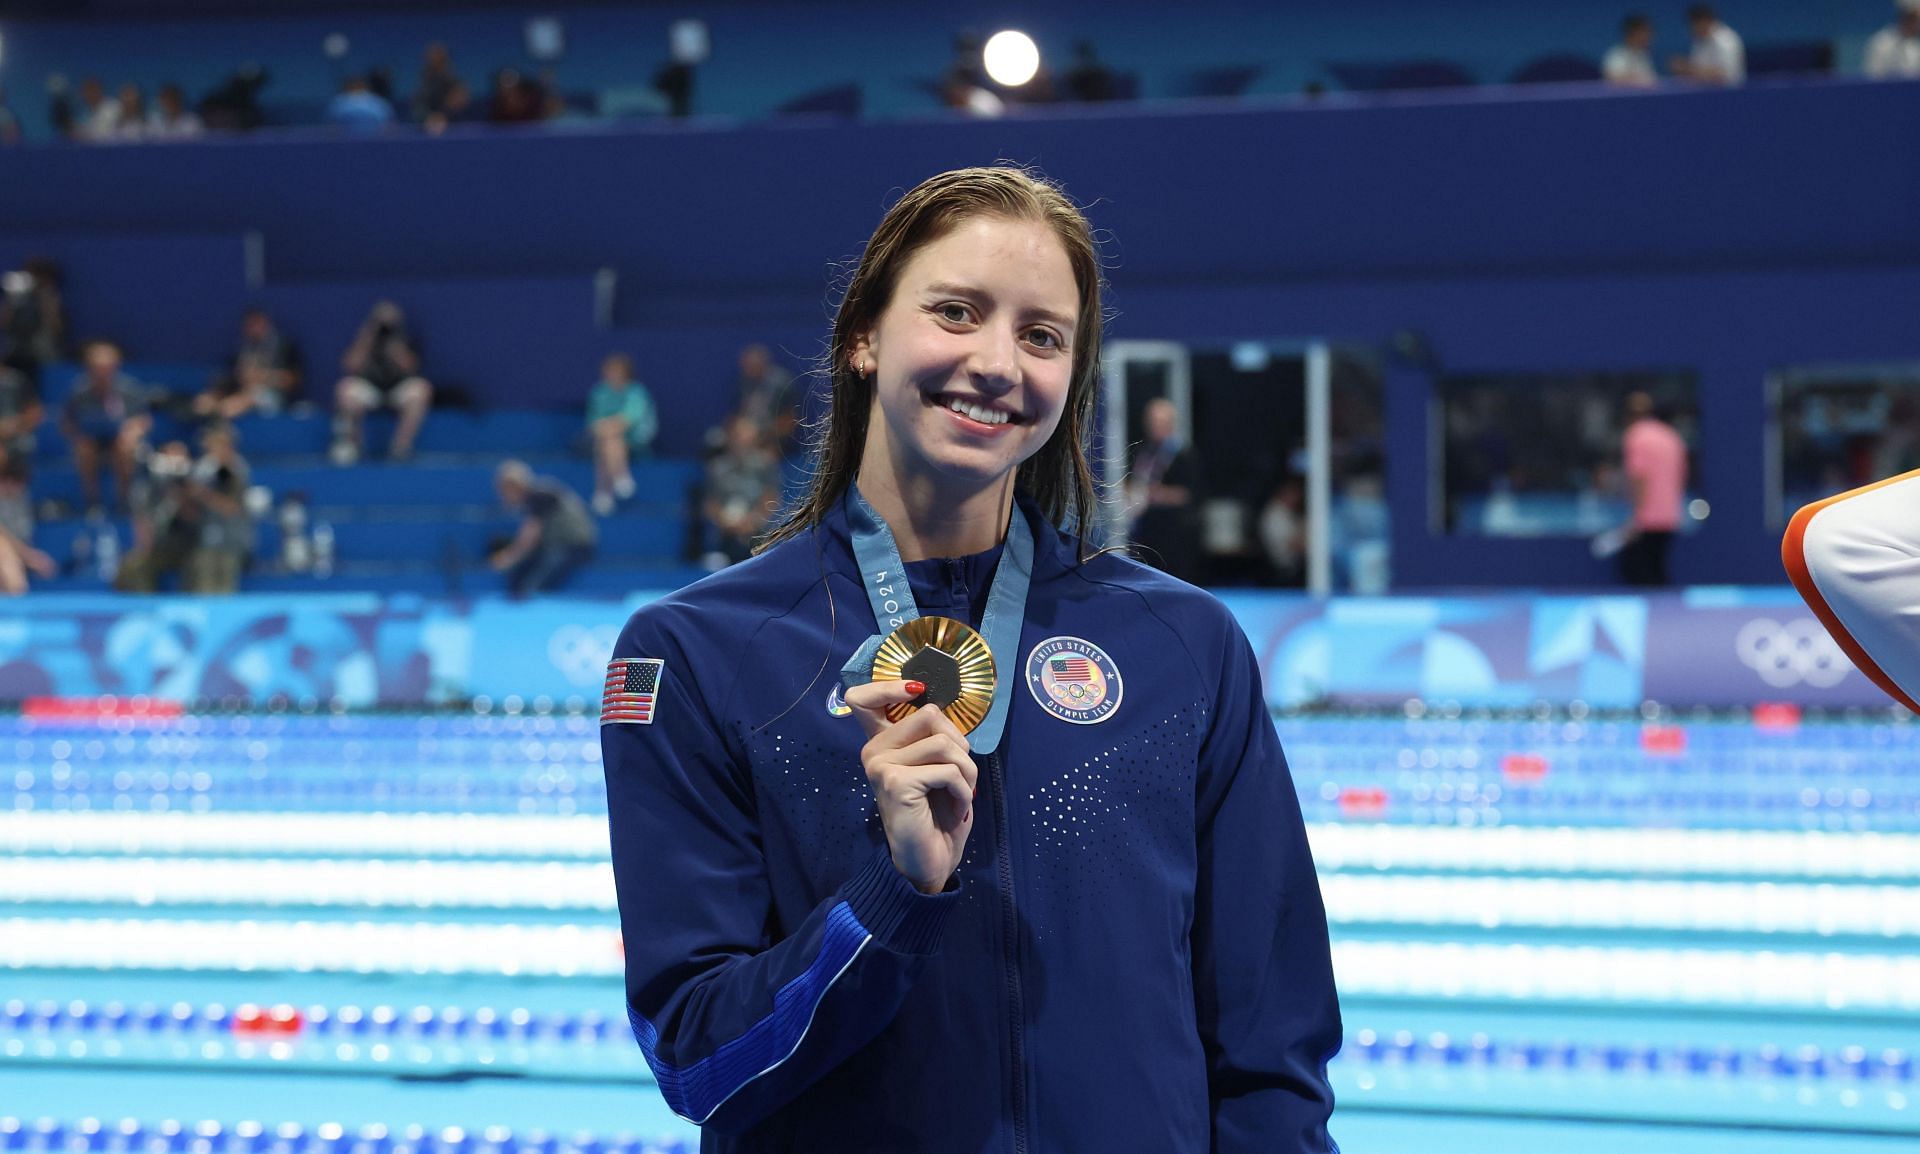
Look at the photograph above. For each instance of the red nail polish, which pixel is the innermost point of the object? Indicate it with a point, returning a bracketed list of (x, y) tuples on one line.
[(916, 687)]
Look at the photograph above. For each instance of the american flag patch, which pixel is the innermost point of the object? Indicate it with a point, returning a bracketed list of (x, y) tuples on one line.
[(632, 685), (1072, 669)]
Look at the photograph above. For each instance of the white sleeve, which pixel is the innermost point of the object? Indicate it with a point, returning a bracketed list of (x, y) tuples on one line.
[(1861, 554), (1881, 51), (1735, 52)]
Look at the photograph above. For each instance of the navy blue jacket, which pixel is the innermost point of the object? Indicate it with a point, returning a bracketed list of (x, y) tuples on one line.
[(1132, 956)]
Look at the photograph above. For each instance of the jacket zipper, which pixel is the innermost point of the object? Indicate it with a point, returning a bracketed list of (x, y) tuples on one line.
[(1003, 853)]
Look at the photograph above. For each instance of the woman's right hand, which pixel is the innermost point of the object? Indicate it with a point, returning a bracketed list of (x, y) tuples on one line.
[(923, 779)]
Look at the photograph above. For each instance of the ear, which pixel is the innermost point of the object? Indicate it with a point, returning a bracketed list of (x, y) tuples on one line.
[(864, 348)]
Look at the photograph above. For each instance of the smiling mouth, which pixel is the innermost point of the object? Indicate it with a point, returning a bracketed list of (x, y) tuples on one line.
[(973, 410)]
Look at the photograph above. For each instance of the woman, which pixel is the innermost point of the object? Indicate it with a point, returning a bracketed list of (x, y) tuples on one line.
[(622, 422), (1090, 924)]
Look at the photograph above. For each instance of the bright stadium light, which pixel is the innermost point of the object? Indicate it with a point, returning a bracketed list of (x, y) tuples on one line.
[(1011, 58)]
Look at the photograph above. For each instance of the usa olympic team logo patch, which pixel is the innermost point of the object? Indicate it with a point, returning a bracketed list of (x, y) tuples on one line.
[(1074, 680)]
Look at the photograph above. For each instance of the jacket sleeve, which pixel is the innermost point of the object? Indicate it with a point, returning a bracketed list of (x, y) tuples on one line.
[(736, 1014), (1263, 973)]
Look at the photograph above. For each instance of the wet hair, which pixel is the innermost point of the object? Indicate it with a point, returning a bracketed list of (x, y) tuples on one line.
[(1057, 477)]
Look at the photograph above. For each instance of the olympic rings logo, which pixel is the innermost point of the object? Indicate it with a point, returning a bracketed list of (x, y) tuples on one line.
[(580, 652), (1788, 654)]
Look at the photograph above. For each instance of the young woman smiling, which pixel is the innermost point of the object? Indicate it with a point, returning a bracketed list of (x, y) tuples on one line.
[(1077, 911)]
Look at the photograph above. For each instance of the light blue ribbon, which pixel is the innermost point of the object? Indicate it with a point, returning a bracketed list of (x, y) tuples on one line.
[(885, 579)]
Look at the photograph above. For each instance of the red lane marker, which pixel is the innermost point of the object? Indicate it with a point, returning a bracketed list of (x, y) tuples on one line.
[(1663, 740), (249, 1019), (1776, 717), (285, 1020), (1363, 803), (1523, 768), (106, 708)]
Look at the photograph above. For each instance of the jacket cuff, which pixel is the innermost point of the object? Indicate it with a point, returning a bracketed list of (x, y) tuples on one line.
[(899, 917)]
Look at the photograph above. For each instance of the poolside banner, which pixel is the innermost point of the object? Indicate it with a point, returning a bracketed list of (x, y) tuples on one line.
[(1714, 647)]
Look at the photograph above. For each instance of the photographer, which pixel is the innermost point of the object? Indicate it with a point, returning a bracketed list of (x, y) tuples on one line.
[(191, 519), (32, 316), (382, 369), (20, 416)]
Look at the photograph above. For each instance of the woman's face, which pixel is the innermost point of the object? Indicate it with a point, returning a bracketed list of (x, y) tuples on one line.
[(972, 358)]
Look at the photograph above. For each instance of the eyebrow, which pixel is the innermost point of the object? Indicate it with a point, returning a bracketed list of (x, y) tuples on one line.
[(948, 288)]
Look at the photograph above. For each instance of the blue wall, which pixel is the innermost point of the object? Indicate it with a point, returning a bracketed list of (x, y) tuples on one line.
[(1723, 232)]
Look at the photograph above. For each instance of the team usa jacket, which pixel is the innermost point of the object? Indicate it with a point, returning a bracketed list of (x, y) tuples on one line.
[(1132, 956)]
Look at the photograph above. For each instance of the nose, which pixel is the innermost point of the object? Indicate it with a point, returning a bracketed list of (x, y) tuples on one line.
[(995, 364)]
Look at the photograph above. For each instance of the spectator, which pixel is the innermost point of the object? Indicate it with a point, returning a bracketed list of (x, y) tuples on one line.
[(263, 377), (1629, 64), (1283, 532), (99, 117), (60, 116), (1654, 460), (33, 316), (688, 47), (383, 370), (1164, 495), (172, 119), (516, 99), (556, 534), (433, 100), (1894, 51), (9, 123), (741, 491), (459, 109), (105, 417), (190, 519), (621, 417), (1718, 56), (18, 557), (358, 107), (764, 397), (131, 122), (20, 416), (1088, 81), (235, 105)]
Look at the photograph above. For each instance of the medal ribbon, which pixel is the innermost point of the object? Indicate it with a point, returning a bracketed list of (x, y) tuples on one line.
[(885, 579)]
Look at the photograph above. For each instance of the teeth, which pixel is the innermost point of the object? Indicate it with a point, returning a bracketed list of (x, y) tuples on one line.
[(979, 413)]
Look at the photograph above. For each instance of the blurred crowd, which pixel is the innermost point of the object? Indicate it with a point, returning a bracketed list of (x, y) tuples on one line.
[(440, 96), (170, 462)]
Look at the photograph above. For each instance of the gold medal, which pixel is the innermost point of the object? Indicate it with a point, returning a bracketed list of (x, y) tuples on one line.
[(950, 658)]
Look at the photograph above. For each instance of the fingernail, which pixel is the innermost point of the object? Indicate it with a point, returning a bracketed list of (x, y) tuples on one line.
[(916, 687)]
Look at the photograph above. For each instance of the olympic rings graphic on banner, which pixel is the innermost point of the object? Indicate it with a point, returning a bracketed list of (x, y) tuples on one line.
[(1784, 655), (580, 652)]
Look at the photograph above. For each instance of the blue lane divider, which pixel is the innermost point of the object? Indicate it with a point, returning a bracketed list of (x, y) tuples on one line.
[(130, 1136), (1849, 1062), (592, 1028), (319, 1022)]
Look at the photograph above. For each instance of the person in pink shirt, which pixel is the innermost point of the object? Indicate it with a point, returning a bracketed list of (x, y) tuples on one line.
[(1654, 459)]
